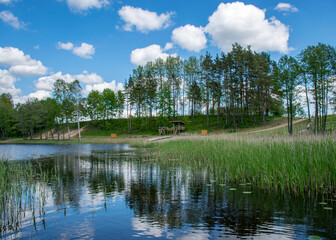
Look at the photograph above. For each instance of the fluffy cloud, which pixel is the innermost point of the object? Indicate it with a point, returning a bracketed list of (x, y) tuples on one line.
[(85, 5), (168, 46), (40, 94), (141, 56), (286, 7), (33, 68), (12, 56), (143, 20), (190, 37), (65, 46), (85, 50), (46, 83), (247, 25), (101, 86), (6, 1), (89, 78), (20, 64), (7, 83), (10, 19)]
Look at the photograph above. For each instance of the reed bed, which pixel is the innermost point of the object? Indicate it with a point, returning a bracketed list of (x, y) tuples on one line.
[(22, 192), (304, 165)]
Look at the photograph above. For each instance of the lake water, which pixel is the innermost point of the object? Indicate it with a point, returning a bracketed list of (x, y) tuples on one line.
[(105, 192)]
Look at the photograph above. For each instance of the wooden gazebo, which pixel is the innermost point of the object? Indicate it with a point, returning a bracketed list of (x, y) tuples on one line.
[(178, 127)]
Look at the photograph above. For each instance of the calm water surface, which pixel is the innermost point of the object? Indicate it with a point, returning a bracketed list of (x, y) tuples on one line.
[(106, 192)]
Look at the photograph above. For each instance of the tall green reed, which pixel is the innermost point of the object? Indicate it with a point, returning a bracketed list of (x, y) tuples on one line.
[(303, 166), (22, 190)]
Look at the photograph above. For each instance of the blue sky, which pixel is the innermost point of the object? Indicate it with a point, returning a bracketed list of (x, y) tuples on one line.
[(99, 42)]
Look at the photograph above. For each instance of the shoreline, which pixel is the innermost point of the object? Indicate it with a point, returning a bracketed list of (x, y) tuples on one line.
[(143, 139), (85, 140)]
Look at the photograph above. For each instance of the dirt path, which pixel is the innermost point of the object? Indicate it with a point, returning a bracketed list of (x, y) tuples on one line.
[(276, 127), (75, 132), (158, 138)]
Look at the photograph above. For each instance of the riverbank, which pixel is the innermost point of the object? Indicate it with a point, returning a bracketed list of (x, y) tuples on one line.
[(86, 139)]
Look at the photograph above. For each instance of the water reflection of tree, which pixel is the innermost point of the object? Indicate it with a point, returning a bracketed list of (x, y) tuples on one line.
[(106, 176), (75, 173), (70, 181), (175, 199), (164, 201)]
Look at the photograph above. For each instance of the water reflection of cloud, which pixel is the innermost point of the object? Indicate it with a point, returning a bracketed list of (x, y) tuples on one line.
[(196, 234), (83, 229), (146, 228)]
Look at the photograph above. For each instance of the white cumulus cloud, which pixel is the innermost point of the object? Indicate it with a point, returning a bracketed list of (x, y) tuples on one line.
[(141, 56), (286, 7), (32, 68), (21, 64), (40, 94), (85, 5), (85, 50), (7, 83), (46, 83), (65, 46), (89, 78), (101, 86), (8, 18), (168, 46), (144, 20), (247, 25), (6, 1), (12, 56), (190, 37)]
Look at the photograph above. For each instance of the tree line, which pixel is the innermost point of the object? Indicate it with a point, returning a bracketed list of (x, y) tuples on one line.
[(230, 89), (234, 86)]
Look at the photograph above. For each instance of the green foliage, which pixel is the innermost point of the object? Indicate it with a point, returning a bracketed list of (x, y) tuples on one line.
[(95, 104), (6, 115), (29, 116), (145, 125)]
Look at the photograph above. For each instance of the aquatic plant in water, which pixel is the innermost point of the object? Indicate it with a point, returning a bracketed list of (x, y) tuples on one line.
[(22, 192), (302, 166)]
